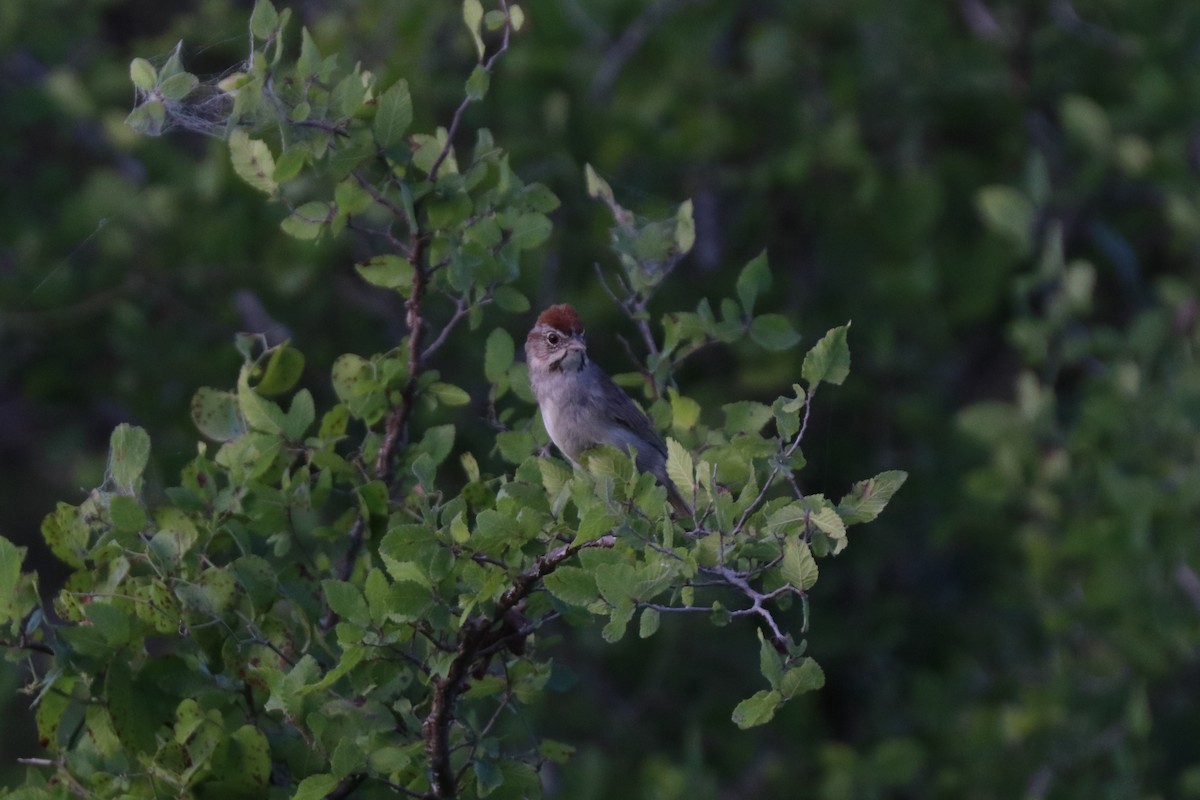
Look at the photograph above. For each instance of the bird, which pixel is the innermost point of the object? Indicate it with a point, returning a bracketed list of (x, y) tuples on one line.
[(581, 406)]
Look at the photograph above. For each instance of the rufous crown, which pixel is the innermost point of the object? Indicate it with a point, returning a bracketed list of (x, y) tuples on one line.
[(562, 317)]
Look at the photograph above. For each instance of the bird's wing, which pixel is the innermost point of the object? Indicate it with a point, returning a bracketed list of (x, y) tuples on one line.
[(626, 413)]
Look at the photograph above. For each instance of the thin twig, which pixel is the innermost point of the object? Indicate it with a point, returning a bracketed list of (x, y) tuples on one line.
[(483, 732), (467, 100), (383, 200), (461, 310), (347, 786), (762, 493)]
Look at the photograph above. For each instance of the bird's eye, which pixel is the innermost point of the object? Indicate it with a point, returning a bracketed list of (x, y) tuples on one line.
[(552, 338)]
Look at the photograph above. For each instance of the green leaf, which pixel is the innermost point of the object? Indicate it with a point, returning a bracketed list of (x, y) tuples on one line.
[(829, 359), (216, 414), (135, 727), (498, 354), (757, 710), (315, 787), (425, 471), (477, 83), (798, 566), (257, 578), (597, 187), (178, 86), (351, 375), (300, 415), (770, 663), (173, 66), (538, 197), (510, 299), (155, 605), (252, 161), (393, 115), (143, 74), (648, 624), (260, 414), (596, 522), (376, 589), (514, 446), (773, 332), (346, 601), (685, 228), (243, 763), (828, 521), (1008, 212), (438, 441), (284, 368), (389, 272), (306, 222), (110, 622), (128, 454), (745, 416), (753, 280), (408, 600), (516, 17), (448, 394), (494, 20), (681, 469), (617, 582), (488, 777), (473, 17), (614, 630), (1085, 120), (149, 118), (66, 534), (289, 164), (351, 658), (351, 198), (573, 585), (805, 678), (530, 230), (685, 412), (866, 499), (334, 422), (11, 557), (264, 20)]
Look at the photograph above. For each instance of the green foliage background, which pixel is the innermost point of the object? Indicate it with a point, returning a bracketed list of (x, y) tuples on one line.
[(1001, 195)]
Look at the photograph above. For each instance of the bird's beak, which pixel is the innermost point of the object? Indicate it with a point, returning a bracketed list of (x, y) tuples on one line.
[(577, 346)]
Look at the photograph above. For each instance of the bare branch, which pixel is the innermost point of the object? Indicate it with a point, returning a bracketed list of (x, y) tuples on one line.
[(461, 310)]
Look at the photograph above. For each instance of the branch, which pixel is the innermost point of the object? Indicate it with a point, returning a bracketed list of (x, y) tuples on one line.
[(347, 786), (385, 201), (33, 647), (762, 493), (466, 101), (757, 599), (461, 310), (478, 636), (727, 577), (396, 427), (356, 538)]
